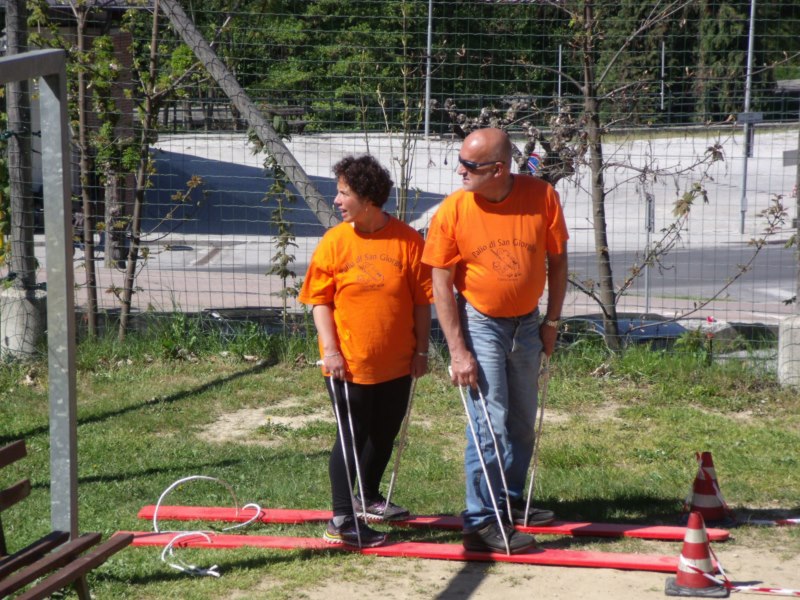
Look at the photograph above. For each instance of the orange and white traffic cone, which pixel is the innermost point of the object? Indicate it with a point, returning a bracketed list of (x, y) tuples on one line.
[(694, 576), (706, 497)]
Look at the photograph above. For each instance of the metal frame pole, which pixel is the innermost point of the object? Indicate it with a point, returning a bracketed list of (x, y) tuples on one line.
[(748, 124), (51, 68)]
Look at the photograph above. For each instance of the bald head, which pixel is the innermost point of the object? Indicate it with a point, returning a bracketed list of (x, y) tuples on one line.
[(490, 144), (485, 164)]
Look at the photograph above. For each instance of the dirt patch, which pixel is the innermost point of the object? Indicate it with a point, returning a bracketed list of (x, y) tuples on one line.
[(241, 425), (390, 579)]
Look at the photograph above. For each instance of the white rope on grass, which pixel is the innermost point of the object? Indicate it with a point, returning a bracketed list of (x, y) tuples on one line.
[(185, 567), (168, 549), (180, 482)]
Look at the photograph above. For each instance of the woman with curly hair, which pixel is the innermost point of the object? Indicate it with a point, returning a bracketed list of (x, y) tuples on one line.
[(370, 296)]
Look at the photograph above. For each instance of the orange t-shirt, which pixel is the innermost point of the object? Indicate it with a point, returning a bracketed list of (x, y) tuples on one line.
[(373, 280), (499, 248)]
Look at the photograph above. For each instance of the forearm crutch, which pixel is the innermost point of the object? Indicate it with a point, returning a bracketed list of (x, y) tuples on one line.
[(483, 464), (544, 375), (340, 429), (402, 441), (496, 449), (355, 458)]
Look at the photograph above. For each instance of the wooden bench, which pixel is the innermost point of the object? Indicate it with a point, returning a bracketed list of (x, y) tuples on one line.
[(54, 561)]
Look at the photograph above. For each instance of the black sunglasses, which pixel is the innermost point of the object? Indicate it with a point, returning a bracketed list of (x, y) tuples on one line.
[(471, 165)]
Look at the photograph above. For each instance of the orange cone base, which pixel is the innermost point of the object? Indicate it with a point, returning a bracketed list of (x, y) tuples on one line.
[(714, 591)]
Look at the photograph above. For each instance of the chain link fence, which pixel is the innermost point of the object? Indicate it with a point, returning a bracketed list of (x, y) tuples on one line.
[(204, 136)]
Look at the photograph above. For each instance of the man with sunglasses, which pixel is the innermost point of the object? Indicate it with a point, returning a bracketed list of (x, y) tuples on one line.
[(496, 242)]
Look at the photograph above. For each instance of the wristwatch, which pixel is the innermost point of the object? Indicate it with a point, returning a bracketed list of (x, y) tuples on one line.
[(551, 322)]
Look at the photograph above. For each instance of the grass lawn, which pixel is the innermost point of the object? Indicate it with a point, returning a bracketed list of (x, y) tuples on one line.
[(617, 446)]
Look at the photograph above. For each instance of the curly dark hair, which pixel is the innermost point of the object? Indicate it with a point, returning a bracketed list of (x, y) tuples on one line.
[(366, 177)]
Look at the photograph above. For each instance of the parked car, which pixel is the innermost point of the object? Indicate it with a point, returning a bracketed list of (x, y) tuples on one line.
[(654, 330)]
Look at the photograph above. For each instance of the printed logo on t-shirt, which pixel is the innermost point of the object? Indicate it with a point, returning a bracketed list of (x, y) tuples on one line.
[(503, 254), (368, 274), (372, 271), (505, 264)]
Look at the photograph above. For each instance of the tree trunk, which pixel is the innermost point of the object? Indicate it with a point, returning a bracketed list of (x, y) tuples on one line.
[(148, 120), (595, 142), (114, 211), (136, 223), (21, 307), (86, 177)]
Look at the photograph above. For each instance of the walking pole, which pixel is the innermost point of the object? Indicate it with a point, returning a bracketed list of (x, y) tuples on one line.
[(496, 449), (344, 450), (483, 465), (402, 441), (544, 374), (355, 457)]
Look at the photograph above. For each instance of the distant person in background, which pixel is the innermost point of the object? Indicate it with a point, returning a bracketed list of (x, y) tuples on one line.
[(497, 241), (370, 296)]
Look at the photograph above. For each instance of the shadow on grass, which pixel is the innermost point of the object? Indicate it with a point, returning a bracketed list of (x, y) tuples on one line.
[(640, 508), (158, 400), (169, 574), (764, 517), (145, 473)]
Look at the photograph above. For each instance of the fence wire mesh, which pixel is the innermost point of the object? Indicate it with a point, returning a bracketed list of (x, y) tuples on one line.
[(204, 136)]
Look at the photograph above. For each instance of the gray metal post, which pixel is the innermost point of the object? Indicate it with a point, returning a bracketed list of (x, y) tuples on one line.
[(428, 71), (663, 72), (60, 301), (559, 73), (649, 227), (50, 67), (748, 124), (797, 221)]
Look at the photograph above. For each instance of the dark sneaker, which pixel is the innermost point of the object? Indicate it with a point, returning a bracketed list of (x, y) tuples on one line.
[(536, 516), (348, 533), (381, 510), (489, 538)]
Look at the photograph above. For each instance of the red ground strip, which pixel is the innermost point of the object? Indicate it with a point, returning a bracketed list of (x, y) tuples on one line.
[(295, 516), (563, 558)]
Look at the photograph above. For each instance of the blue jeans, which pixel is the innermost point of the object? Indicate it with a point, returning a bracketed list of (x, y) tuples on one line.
[(508, 351)]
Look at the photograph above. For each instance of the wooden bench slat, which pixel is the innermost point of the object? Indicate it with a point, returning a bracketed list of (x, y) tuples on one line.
[(14, 493), (12, 452), (54, 560), (77, 568), (31, 553)]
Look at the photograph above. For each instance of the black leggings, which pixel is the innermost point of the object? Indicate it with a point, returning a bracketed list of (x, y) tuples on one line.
[(377, 411)]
